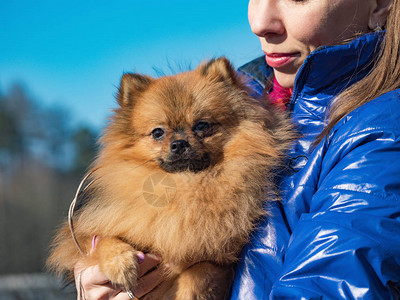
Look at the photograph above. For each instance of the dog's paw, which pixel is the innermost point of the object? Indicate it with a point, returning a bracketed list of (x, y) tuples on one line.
[(118, 262)]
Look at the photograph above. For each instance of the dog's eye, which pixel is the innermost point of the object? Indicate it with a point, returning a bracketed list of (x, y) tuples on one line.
[(201, 126), (158, 133), (202, 129)]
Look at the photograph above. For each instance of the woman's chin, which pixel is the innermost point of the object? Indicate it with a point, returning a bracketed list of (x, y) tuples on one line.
[(285, 80)]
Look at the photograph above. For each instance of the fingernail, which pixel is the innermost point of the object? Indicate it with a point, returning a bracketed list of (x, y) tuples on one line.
[(94, 240), (140, 257)]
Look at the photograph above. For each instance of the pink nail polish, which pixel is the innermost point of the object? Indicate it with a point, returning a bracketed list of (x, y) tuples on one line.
[(94, 241), (140, 257)]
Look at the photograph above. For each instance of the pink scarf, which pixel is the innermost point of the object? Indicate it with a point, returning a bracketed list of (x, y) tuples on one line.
[(280, 95)]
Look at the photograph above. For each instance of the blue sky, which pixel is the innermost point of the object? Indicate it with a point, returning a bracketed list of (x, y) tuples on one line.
[(73, 53)]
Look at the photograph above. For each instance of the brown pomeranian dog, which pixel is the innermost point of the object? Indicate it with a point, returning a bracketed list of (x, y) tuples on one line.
[(185, 170)]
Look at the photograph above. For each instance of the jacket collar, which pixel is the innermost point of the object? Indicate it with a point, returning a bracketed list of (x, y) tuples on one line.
[(329, 70)]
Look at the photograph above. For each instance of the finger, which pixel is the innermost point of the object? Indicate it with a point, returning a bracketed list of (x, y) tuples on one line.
[(107, 293), (100, 293), (122, 296), (150, 262), (87, 280), (92, 276), (97, 286), (148, 282), (103, 293)]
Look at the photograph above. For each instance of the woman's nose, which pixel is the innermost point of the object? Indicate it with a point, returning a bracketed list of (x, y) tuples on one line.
[(265, 18)]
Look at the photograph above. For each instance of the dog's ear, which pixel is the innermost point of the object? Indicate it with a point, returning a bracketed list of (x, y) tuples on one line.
[(132, 85), (219, 69)]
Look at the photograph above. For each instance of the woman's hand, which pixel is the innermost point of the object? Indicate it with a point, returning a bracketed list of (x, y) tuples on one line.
[(91, 284)]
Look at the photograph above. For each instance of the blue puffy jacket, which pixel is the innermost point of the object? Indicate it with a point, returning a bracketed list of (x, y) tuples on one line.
[(336, 233)]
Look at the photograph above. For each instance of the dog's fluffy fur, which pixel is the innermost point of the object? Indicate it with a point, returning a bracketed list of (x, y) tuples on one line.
[(220, 176)]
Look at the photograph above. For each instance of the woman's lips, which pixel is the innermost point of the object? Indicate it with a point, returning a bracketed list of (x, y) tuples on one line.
[(276, 60)]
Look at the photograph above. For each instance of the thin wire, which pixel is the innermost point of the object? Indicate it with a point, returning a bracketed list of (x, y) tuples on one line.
[(72, 209), (79, 286)]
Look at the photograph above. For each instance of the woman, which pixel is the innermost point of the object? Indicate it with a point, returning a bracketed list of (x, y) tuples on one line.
[(336, 233)]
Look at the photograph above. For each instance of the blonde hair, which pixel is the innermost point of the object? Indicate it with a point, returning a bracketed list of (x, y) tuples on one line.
[(384, 77)]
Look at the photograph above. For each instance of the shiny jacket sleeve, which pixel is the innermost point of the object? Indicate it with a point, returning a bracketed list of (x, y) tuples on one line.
[(262, 258), (346, 243)]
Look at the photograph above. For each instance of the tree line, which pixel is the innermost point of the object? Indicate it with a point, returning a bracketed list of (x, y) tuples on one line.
[(43, 157)]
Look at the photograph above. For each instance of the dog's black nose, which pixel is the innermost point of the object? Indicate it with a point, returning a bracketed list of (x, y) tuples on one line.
[(179, 146)]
